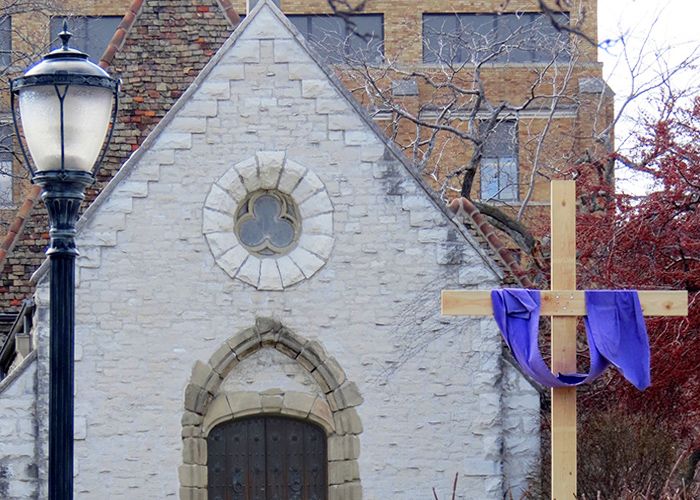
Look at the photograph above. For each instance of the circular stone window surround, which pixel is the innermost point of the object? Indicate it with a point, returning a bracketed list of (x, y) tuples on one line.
[(269, 170)]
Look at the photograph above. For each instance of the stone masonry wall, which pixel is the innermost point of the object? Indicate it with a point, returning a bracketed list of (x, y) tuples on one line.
[(151, 299), (18, 469)]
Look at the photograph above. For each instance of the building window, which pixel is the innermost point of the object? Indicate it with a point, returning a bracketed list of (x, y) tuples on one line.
[(338, 39), (5, 41), (90, 34), (499, 163), (500, 38), (268, 223), (6, 136)]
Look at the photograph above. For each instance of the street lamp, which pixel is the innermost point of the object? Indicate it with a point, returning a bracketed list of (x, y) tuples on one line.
[(67, 105)]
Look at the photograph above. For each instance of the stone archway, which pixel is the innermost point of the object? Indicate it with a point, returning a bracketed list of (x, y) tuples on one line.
[(206, 406)]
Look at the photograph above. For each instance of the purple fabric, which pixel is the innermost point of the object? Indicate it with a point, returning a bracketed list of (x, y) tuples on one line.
[(614, 328)]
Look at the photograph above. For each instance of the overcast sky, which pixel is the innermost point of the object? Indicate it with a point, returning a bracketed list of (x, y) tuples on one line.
[(672, 30), (674, 34)]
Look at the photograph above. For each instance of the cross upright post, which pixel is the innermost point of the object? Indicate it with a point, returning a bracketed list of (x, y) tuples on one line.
[(563, 277), (564, 303)]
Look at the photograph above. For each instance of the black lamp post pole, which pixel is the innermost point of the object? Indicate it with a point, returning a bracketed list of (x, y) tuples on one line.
[(62, 194), (61, 169)]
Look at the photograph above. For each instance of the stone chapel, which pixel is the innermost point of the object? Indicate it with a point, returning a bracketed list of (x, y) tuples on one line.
[(257, 311)]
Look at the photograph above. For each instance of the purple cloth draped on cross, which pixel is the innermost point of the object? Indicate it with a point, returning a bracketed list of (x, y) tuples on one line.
[(615, 330)]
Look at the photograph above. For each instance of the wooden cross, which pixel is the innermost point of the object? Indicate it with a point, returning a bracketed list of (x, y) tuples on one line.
[(564, 303)]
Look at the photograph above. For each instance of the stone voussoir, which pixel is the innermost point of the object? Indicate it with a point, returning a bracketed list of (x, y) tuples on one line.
[(202, 374), (322, 414), (312, 355), (269, 330), (290, 344), (329, 375), (245, 343), (244, 403), (218, 411), (345, 396), (297, 404), (223, 360), (196, 398)]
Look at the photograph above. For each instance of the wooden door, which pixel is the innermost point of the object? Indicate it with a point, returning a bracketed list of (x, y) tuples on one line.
[(267, 458)]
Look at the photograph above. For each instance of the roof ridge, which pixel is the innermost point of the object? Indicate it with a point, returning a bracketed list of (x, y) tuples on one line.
[(17, 227), (230, 12), (120, 34), (466, 209), (117, 41)]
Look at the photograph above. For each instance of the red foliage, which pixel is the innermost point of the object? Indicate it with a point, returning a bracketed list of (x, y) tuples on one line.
[(653, 242)]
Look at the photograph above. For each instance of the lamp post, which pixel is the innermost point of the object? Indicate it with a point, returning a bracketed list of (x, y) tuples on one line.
[(67, 105)]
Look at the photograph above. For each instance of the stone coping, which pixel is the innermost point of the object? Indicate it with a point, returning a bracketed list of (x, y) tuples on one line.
[(18, 371)]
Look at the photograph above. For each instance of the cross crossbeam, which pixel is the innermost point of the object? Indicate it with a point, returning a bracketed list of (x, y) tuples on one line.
[(564, 303)]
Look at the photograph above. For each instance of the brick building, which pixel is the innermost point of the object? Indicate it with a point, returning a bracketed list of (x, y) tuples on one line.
[(158, 49), (550, 133)]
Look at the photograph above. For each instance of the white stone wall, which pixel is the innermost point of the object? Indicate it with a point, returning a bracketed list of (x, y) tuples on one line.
[(521, 432), (18, 470), (151, 299)]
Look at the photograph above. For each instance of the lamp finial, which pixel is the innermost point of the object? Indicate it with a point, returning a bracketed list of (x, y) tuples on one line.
[(65, 35)]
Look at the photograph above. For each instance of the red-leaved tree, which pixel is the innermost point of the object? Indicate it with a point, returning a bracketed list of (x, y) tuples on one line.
[(653, 242)]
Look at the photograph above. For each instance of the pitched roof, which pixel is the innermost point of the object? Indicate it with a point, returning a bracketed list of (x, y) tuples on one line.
[(144, 116), (202, 23), (392, 152)]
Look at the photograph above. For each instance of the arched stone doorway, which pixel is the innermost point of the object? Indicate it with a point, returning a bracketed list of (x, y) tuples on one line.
[(333, 410)]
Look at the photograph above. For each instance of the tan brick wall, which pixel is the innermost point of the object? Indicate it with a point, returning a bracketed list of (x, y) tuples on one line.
[(147, 100), (403, 18), (403, 40)]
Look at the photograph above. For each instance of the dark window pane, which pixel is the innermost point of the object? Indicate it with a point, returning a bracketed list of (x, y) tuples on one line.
[(440, 43), (505, 38), (508, 178), (335, 38), (549, 42), (366, 38), (489, 178), (100, 31), (5, 41), (269, 230), (477, 37), (499, 163), (90, 34), (328, 36), (515, 36), (501, 140), (6, 134)]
